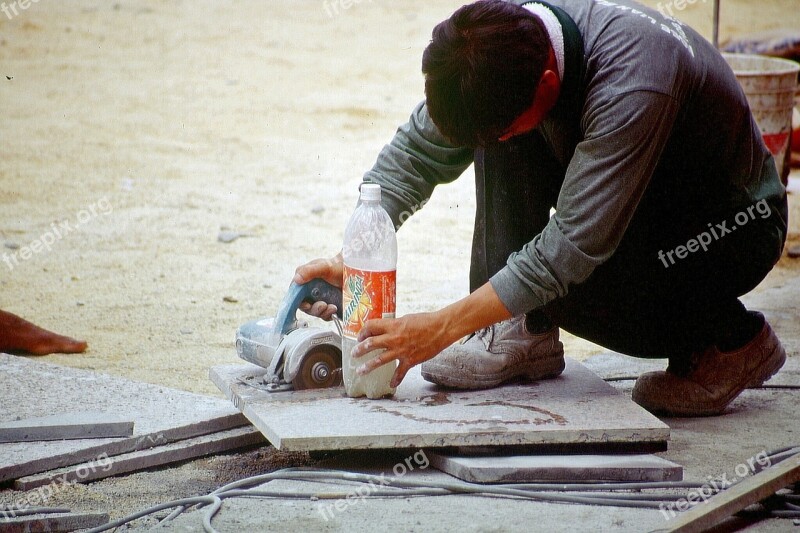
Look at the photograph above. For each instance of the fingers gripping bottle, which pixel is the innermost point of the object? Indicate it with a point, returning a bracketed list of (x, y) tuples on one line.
[(368, 290)]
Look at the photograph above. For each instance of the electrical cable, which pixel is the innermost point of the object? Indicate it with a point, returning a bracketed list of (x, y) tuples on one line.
[(382, 486), (153, 509), (229, 490)]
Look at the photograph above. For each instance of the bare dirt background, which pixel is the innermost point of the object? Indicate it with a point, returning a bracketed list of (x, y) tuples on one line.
[(182, 118), (179, 119)]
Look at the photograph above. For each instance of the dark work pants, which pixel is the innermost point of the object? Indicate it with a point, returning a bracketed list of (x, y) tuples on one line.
[(632, 303)]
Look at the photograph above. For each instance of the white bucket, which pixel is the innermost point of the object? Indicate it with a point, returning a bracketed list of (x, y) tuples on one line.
[(770, 85)]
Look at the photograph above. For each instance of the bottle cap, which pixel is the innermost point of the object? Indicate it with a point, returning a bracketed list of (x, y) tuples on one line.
[(371, 192)]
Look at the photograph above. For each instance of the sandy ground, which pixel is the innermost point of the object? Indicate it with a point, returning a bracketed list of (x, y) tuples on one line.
[(148, 127), (134, 132)]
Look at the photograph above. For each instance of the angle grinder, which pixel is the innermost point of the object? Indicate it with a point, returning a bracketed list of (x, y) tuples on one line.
[(296, 355)]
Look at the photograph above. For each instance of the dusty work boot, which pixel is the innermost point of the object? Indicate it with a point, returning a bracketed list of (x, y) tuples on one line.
[(496, 354), (713, 379)]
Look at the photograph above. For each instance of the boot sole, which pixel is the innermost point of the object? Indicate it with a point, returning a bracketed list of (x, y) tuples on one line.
[(548, 368)]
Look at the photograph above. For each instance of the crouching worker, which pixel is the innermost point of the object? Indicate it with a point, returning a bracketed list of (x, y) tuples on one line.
[(668, 206)]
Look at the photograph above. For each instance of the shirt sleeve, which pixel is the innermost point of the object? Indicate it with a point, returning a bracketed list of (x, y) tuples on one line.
[(604, 182), (417, 159)]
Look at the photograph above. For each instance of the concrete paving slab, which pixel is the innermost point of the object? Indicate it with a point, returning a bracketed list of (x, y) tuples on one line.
[(577, 407), (613, 365), (52, 522), (711, 447), (31, 388), (445, 514), (66, 426), (566, 468), (160, 455)]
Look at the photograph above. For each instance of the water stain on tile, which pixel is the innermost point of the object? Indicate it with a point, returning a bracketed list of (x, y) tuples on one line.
[(558, 419), (494, 420), (435, 400)]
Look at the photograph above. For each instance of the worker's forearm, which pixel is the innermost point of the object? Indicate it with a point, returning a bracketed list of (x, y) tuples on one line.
[(480, 309)]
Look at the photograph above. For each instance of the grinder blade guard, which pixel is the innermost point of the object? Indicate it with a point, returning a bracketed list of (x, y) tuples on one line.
[(295, 355)]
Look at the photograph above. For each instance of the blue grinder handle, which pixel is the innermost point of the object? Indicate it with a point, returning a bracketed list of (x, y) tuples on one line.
[(316, 290)]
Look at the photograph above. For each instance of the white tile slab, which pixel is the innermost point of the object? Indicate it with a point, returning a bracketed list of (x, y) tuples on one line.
[(181, 450), (29, 388), (576, 408), (566, 468), (67, 426)]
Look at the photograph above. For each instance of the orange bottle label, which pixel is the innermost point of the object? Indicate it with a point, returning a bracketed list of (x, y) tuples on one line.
[(366, 295)]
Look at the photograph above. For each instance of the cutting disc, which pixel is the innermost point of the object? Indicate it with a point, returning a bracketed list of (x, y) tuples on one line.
[(321, 369)]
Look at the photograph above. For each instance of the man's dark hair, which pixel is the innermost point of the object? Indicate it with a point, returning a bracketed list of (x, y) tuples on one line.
[(481, 69)]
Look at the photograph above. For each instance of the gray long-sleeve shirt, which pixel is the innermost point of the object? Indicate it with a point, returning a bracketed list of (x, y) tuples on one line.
[(652, 96)]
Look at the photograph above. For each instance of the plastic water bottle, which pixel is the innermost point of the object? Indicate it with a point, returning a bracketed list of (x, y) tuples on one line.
[(368, 290)]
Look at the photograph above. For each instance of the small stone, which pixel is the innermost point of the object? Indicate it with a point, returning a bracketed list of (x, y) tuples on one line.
[(79, 303), (318, 210), (12, 245), (230, 299), (267, 286), (186, 331), (228, 236), (794, 251)]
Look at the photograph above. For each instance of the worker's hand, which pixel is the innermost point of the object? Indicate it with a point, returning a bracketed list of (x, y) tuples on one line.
[(411, 339), (331, 270)]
